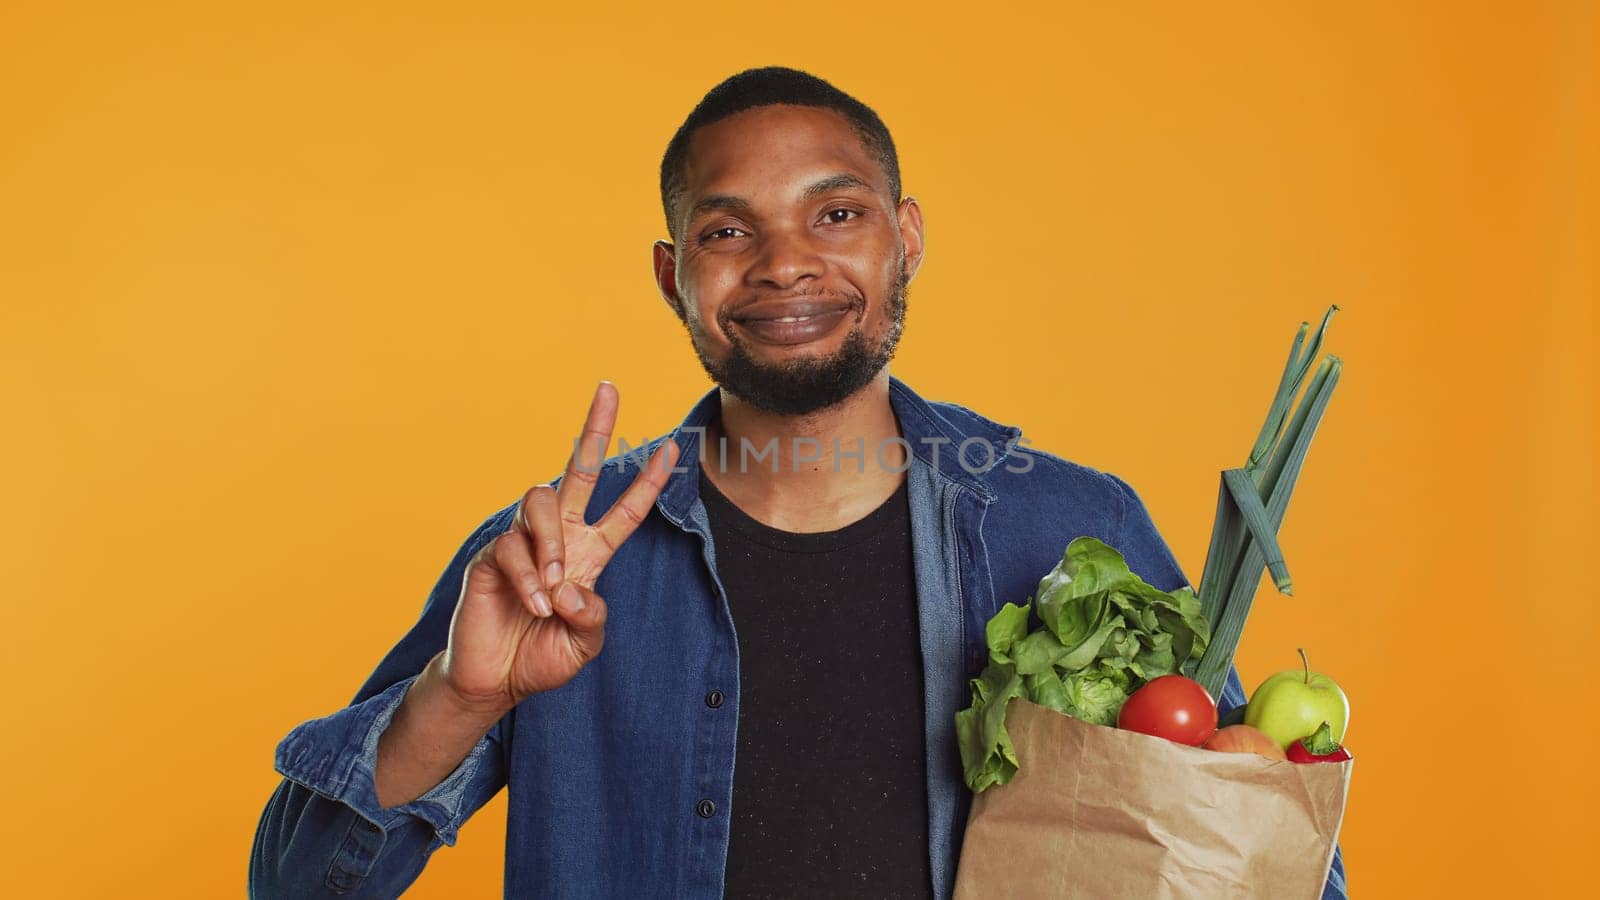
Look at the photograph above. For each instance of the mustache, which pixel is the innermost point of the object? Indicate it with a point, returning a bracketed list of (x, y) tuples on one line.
[(851, 297)]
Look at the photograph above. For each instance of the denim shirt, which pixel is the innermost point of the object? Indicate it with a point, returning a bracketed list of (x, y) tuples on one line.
[(621, 781)]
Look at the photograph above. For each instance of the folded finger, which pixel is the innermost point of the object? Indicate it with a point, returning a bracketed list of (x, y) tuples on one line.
[(545, 534), (585, 614), (515, 559)]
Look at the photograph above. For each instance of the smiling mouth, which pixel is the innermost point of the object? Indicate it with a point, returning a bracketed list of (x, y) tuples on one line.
[(792, 328)]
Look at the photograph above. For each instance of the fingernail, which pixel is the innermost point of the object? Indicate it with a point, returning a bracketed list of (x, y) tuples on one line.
[(569, 597), (541, 603), (533, 589), (552, 573)]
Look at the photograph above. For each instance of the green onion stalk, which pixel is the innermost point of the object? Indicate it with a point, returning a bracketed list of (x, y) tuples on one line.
[(1252, 500)]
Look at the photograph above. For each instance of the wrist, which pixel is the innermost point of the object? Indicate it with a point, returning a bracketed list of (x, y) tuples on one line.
[(481, 709)]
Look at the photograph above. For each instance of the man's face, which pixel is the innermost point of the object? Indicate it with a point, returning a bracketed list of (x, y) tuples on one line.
[(792, 260)]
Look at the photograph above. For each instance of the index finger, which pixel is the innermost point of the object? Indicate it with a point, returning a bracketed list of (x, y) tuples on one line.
[(634, 504), (588, 455)]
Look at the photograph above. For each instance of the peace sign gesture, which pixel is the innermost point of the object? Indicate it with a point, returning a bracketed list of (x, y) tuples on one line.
[(528, 618)]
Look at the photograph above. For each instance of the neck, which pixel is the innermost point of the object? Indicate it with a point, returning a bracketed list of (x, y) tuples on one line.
[(816, 472)]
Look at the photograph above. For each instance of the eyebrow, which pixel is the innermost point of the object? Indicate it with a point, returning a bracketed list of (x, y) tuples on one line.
[(837, 182), (716, 202)]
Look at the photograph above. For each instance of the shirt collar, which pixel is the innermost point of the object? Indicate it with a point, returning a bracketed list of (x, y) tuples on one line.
[(957, 443)]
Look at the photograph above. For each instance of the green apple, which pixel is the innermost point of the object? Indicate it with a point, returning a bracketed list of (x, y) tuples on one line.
[(1290, 705)]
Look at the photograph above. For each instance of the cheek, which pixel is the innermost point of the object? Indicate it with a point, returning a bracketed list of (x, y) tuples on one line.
[(877, 280), (705, 289), (877, 263)]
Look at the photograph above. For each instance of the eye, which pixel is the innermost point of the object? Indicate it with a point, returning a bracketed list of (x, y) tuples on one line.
[(841, 215), (720, 233)]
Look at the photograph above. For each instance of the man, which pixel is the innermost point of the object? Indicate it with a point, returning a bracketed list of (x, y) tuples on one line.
[(789, 617)]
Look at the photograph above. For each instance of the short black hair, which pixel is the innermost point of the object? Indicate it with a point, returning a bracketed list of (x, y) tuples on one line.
[(770, 86)]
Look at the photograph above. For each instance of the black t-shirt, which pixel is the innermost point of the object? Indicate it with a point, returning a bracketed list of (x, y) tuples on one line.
[(830, 781)]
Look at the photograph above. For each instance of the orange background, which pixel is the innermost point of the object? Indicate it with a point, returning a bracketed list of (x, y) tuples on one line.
[(294, 297)]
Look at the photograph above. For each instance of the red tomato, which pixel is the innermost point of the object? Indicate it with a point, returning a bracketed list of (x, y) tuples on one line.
[(1171, 707)]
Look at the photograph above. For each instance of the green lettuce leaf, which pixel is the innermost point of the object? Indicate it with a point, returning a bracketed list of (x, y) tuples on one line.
[(1087, 570), (1089, 650), (1006, 628), (1038, 652), (1103, 633), (1154, 657), (987, 757), (1096, 696), (1046, 689)]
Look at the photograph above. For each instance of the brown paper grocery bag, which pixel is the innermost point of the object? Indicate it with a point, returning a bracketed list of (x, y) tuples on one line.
[(1098, 812)]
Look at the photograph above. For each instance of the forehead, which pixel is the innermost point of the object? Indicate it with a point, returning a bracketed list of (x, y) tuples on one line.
[(775, 147)]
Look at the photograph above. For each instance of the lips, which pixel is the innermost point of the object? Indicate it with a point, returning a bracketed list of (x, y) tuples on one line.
[(793, 321)]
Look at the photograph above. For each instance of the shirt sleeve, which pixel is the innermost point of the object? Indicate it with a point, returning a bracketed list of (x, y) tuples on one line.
[(323, 832), (1149, 556), (337, 757)]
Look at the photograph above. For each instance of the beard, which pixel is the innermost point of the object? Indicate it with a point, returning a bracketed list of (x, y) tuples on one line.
[(806, 385)]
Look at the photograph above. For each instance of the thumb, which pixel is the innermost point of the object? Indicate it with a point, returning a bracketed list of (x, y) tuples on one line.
[(585, 615)]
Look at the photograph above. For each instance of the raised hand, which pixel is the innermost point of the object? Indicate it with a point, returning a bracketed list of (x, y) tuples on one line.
[(528, 618)]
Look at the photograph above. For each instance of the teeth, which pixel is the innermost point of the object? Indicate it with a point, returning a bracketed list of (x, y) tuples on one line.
[(793, 319)]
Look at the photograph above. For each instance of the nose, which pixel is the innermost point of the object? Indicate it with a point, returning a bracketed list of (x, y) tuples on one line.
[(784, 258)]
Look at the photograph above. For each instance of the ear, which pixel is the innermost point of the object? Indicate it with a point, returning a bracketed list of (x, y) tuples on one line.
[(666, 266), (911, 234)]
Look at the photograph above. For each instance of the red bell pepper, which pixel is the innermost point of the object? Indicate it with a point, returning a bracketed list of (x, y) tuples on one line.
[(1320, 747)]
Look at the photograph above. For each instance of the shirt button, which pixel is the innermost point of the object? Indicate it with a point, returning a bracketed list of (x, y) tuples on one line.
[(714, 699), (706, 809)]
